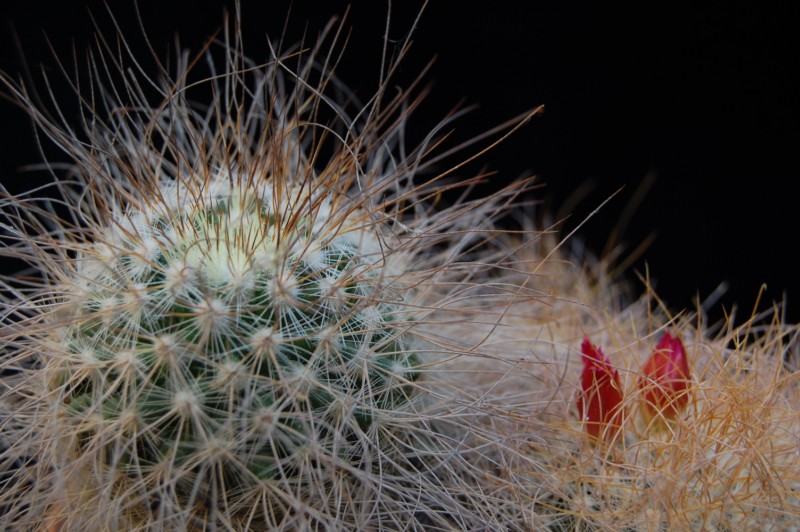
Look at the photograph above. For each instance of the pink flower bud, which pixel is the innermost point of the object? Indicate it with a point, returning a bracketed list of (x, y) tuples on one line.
[(665, 378), (600, 399)]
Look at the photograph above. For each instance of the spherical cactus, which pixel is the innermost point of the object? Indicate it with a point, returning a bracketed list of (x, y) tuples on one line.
[(224, 326), (726, 459), (211, 340)]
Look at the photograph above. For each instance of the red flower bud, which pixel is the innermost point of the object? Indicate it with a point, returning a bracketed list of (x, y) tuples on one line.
[(665, 378), (600, 399)]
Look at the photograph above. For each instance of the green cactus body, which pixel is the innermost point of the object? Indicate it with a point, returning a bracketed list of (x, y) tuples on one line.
[(222, 339)]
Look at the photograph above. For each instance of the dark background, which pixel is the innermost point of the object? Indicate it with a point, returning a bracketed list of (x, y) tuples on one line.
[(703, 98)]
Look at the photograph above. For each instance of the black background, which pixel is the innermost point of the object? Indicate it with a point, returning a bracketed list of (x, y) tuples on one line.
[(703, 98)]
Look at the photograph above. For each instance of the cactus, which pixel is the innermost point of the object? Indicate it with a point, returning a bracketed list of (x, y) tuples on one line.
[(725, 459), (210, 341), (225, 327)]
